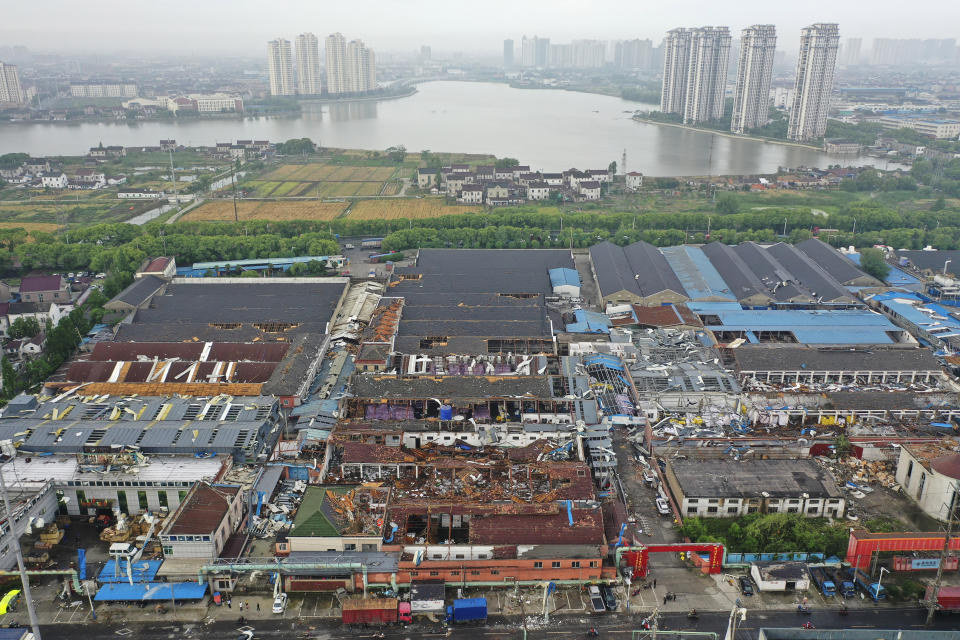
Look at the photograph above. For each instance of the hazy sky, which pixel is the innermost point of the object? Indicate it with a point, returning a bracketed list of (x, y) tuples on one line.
[(244, 26)]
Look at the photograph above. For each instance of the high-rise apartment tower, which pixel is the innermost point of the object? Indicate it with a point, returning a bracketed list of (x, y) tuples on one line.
[(813, 87), (751, 97), (280, 67)]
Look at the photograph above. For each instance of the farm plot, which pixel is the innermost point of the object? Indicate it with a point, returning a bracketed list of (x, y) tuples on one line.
[(247, 210), (411, 209)]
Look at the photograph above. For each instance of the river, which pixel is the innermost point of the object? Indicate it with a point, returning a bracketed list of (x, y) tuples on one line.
[(550, 130)]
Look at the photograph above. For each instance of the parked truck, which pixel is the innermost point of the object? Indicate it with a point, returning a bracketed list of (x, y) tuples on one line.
[(823, 581), (360, 610), (873, 589), (843, 583), (468, 610), (948, 598)]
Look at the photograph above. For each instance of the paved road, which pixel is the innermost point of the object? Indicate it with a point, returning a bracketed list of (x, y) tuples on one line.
[(614, 627)]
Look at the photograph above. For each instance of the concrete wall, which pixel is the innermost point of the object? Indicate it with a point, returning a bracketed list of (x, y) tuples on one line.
[(335, 543), (928, 489)]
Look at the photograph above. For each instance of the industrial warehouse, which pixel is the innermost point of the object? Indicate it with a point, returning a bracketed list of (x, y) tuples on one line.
[(481, 422)]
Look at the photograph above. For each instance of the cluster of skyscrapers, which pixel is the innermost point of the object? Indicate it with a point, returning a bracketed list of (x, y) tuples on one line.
[(578, 54), (695, 65), (350, 66)]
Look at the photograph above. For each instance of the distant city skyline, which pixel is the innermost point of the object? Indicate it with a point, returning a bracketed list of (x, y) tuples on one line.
[(53, 26)]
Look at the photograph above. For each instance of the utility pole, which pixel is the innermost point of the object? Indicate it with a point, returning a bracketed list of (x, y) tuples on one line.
[(932, 600), (24, 578), (233, 181), (173, 178)]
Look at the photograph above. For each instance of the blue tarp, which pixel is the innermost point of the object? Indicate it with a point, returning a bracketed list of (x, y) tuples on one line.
[(150, 591), (143, 571)]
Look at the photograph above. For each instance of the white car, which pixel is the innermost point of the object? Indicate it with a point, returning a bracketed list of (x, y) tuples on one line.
[(663, 507), (280, 603)]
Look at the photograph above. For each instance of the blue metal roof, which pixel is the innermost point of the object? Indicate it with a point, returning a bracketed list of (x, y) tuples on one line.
[(589, 322), (697, 274), (276, 262), (907, 306), (143, 571), (150, 591), (840, 326), (563, 276)]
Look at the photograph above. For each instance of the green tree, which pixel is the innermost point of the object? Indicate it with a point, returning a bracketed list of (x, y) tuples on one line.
[(296, 146), (397, 153), (11, 382), (506, 163), (871, 261), (939, 204), (24, 328), (250, 273), (612, 167), (727, 204)]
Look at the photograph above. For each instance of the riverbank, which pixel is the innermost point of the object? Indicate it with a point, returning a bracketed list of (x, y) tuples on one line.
[(726, 134), (411, 90), (253, 115)]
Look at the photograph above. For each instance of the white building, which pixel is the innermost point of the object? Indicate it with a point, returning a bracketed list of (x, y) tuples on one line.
[(538, 191), (134, 484), (933, 127), (104, 90), (308, 64), (280, 68), (929, 475), (634, 180), (139, 194), (589, 189), (676, 62), (360, 68), (706, 74), (203, 522), (695, 72), (471, 194), (600, 175), (751, 98), (205, 103), (336, 60), (54, 180), (765, 486), (11, 92), (780, 576), (813, 88)]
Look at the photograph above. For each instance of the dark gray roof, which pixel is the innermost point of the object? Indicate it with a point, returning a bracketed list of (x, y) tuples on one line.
[(747, 479), (797, 358), (934, 260), (139, 291), (814, 278), (772, 274), (204, 310), (889, 401), (469, 295), (743, 282), (834, 263), (638, 268), (490, 270), (450, 387)]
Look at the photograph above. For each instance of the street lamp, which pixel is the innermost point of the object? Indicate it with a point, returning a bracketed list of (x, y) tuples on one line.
[(880, 579)]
